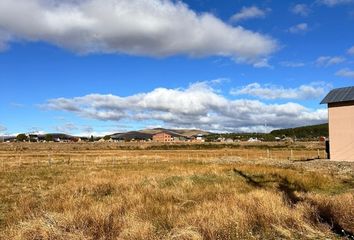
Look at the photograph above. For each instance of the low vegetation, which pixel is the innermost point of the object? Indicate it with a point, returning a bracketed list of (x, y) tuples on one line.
[(306, 133), (167, 200)]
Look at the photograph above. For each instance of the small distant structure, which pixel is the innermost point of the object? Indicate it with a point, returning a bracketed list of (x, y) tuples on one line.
[(162, 137), (323, 139), (340, 103), (198, 138), (288, 139), (168, 136), (229, 140), (33, 137), (253, 140)]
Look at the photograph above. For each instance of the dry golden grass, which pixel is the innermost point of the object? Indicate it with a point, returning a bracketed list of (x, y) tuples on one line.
[(175, 200), (17, 154)]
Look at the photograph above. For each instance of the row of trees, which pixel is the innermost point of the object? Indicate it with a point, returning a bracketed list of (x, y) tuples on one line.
[(52, 137), (24, 138), (305, 133)]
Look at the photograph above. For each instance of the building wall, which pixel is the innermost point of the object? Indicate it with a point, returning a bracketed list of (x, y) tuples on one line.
[(162, 137), (341, 131)]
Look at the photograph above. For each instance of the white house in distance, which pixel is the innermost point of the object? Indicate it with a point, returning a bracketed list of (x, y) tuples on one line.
[(341, 123)]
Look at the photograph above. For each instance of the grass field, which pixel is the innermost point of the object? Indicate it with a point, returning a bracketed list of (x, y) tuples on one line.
[(178, 199), (42, 154)]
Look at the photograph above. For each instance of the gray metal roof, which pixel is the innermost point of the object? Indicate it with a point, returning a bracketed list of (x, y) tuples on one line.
[(339, 95)]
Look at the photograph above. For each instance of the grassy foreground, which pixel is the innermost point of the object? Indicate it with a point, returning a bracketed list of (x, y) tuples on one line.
[(175, 201)]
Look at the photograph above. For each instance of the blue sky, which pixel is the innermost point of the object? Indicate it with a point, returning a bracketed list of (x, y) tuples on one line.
[(97, 67)]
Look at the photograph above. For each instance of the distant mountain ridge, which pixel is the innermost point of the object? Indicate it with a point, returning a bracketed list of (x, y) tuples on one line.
[(148, 133), (184, 132)]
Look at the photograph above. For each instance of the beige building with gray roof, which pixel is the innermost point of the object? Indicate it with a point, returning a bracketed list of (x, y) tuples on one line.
[(341, 123)]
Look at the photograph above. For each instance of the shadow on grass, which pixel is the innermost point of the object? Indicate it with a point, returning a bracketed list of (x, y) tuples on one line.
[(282, 184), (288, 189)]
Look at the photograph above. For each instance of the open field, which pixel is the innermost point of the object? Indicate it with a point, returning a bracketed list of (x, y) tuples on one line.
[(111, 154), (233, 193)]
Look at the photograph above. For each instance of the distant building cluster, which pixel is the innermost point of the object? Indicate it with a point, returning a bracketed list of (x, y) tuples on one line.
[(159, 137), (134, 136)]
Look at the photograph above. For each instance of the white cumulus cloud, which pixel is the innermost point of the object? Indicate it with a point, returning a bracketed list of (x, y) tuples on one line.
[(66, 128), (332, 3), (2, 129), (351, 51), (155, 28), (311, 91), (198, 106), (292, 64), (345, 72), (301, 9), (299, 28), (249, 13), (325, 61)]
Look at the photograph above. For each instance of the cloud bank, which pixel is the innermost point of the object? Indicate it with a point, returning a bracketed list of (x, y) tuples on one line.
[(155, 28), (198, 106)]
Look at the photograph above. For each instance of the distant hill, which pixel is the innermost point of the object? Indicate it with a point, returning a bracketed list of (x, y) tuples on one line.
[(148, 133), (184, 132), (313, 131), (127, 136)]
